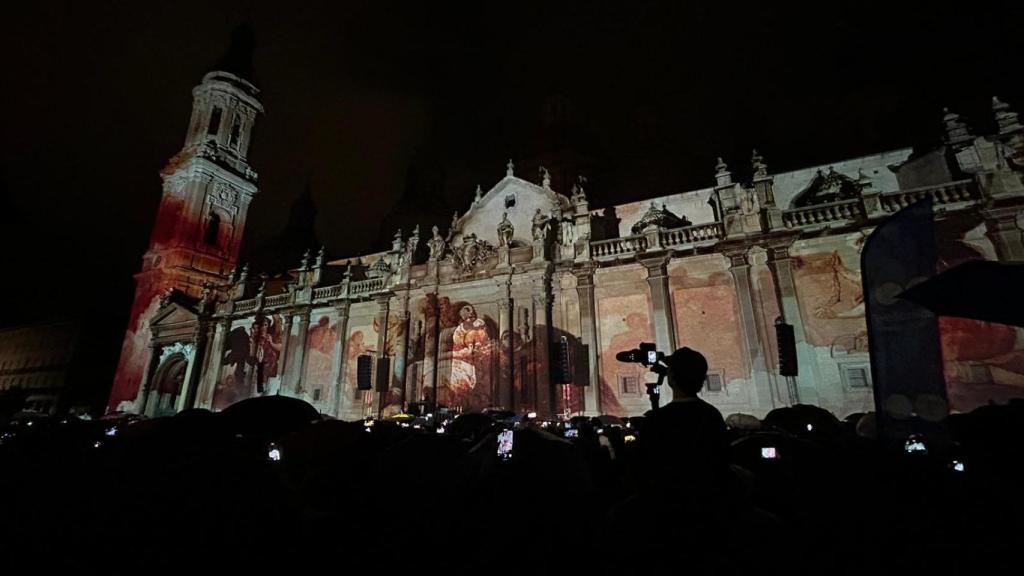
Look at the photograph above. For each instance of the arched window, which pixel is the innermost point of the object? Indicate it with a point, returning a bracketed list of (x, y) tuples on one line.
[(212, 235)]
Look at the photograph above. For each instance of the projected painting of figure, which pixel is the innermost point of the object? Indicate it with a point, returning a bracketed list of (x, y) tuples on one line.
[(250, 359), (830, 293), (319, 359), (467, 356)]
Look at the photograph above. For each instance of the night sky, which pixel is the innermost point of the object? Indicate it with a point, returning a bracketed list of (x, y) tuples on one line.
[(369, 103)]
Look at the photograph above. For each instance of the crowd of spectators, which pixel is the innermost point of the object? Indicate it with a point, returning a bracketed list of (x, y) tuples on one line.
[(270, 485)]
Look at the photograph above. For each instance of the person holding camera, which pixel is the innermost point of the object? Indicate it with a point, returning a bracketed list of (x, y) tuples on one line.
[(684, 442)]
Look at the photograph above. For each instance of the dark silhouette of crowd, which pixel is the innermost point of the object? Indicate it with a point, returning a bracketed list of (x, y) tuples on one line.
[(270, 486)]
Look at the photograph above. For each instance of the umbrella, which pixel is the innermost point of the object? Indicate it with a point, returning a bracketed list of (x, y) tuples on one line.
[(269, 416), (976, 289)]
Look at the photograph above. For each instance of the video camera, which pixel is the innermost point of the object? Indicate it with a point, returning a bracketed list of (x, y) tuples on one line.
[(647, 355)]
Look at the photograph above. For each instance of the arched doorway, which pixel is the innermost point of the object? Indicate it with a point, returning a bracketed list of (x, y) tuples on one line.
[(167, 385)]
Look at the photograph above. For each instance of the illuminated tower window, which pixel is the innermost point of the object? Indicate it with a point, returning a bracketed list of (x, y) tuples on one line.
[(214, 126)]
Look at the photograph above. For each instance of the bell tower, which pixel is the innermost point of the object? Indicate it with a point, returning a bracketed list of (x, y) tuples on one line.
[(207, 188)]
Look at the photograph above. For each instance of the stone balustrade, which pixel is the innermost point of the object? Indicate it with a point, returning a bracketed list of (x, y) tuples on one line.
[(943, 194), (245, 305), (277, 300), (833, 212), (328, 292), (617, 247), (690, 235), (367, 286)]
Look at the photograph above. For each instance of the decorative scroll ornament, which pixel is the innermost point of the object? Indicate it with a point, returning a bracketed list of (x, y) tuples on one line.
[(186, 349), (659, 218), (471, 252)]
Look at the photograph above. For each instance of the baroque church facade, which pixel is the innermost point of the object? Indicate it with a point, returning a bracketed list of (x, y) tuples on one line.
[(467, 313)]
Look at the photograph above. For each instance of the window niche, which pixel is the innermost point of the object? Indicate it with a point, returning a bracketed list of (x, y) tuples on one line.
[(211, 236), (214, 126)]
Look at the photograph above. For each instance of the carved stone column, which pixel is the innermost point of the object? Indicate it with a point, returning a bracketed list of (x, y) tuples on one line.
[(186, 398), (299, 365), (661, 311), (542, 352), (286, 383), (739, 266), (1003, 229), (588, 329), (341, 400), (781, 266), (214, 365), (401, 353), (413, 378), (506, 343), (146, 399), (431, 335), (382, 383)]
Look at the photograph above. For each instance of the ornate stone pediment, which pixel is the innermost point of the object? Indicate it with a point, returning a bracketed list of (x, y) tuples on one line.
[(517, 198), (659, 218), (827, 187)]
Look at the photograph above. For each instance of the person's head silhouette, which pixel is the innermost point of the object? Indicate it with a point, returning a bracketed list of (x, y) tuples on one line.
[(687, 370)]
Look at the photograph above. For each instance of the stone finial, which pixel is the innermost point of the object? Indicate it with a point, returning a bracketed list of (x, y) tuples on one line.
[(479, 195), (862, 179), (722, 175), (244, 276), (455, 223), (321, 256), (579, 194), (348, 272), (957, 132), (545, 177), (760, 168), (305, 261), (510, 168), (1008, 120)]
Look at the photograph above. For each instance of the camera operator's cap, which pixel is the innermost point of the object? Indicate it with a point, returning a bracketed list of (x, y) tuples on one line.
[(687, 360)]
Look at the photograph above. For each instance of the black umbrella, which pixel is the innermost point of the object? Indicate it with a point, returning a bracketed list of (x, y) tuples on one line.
[(977, 289), (269, 416)]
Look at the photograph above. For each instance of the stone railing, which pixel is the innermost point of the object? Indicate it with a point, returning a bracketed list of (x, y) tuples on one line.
[(823, 213), (367, 286), (328, 292), (245, 305), (277, 300), (949, 193), (692, 234), (617, 247)]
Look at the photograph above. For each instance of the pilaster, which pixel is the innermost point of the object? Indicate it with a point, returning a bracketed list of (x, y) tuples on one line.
[(661, 310), (588, 329), (338, 369), (1003, 228), (739, 267), (781, 266)]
